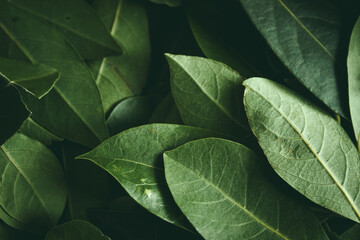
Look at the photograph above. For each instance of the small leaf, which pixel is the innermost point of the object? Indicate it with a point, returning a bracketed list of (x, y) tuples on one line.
[(305, 36), (37, 79), (134, 159), (76, 230), (219, 186), (125, 76), (353, 65), (305, 146), (208, 94), (33, 187), (12, 110), (78, 22), (73, 109)]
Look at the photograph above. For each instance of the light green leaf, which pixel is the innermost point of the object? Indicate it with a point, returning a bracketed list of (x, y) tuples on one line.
[(220, 187), (12, 110), (208, 94), (73, 109), (125, 76), (37, 79), (78, 22), (32, 129), (170, 3), (305, 146), (76, 230), (305, 36), (134, 159), (87, 184), (33, 187), (353, 65)]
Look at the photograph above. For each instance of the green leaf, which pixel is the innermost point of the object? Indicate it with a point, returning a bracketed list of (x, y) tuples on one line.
[(73, 109), (125, 76), (352, 233), (353, 65), (208, 94), (76, 230), (218, 40), (131, 112), (12, 110), (78, 22), (166, 112), (37, 79), (87, 184), (32, 188), (7, 233), (305, 36), (305, 146), (134, 159), (32, 129), (170, 3), (220, 187)]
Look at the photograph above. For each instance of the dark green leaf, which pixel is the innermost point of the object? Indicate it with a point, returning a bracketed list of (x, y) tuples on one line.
[(134, 159), (305, 146), (208, 94), (78, 22), (352, 233), (166, 112), (305, 36), (12, 110), (33, 188), (37, 79), (219, 187), (76, 230), (353, 64), (125, 76), (170, 3), (73, 109)]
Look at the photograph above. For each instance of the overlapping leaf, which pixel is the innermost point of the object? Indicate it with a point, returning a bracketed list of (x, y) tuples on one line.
[(219, 186), (38, 79), (134, 159), (305, 36), (73, 109), (353, 64), (305, 146), (208, 94), (78, 22), (33, 187)]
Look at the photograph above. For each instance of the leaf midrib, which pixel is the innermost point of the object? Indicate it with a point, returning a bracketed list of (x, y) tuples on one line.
[(11, 159), (232, 200), (334, 178), (306, 29)]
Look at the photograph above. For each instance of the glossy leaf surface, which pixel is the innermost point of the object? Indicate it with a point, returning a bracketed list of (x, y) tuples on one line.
[(125, 76), (353, 64), (73, 110), (33, 187), (38, 79), (78, 22), (305, 146), (219, 186), (208, 94), (305, 36), (134, 159), (76, 230)]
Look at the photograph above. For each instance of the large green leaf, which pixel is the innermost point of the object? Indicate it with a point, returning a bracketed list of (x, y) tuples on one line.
[(33, 188), (76, 230), (38, 79), (125, 76), (353, 64), (78, 22), (73, 109), (208, 94), (220, 187), (305, 146), (305, 36), (134, 159)]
